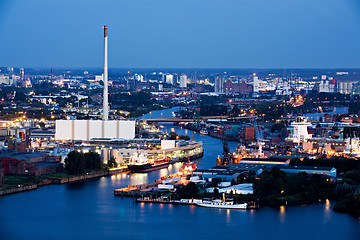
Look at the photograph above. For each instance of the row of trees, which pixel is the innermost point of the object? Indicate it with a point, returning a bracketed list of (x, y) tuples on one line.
[(347, 193), (276, 187), (79, 162), (341, 164), (175, 136)]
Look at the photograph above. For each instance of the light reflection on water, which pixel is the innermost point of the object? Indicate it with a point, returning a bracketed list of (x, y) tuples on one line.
[(327, 211), (228, 220), (282, 214)]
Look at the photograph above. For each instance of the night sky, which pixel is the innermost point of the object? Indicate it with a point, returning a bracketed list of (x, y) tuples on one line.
[(181, 33)]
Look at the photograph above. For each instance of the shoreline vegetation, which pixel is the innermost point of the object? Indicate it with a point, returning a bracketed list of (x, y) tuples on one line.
[(79, 166), (275, 187)]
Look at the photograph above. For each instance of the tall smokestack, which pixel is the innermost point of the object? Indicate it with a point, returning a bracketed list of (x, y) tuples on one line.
[(105, 77)]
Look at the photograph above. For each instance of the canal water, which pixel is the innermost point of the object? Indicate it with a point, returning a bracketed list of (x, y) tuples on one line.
[(318, 115), (89, 210)]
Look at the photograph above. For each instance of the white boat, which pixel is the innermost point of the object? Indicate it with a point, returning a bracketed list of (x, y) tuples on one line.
[(221, 204), (204, 132)]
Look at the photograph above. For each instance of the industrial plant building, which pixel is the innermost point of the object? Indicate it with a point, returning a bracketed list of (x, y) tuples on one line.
[(85, 130)]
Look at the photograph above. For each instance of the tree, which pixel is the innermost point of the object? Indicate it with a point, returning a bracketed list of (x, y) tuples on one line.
[(188, 191), (353, 175), (112, 162), (75, 162), (93, 161), (187, 138), (20, 96), (173, 135), (216, 193), (235, 111), (295, 161), (277, 127)]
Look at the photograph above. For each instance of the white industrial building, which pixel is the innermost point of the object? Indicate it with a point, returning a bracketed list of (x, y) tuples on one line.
[(327, 86), (99, 78), (85, 130), (244, 188)]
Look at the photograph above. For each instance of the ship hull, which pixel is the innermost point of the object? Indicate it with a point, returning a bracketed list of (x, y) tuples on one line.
[(235, 206), (146, 167), (186, 158)]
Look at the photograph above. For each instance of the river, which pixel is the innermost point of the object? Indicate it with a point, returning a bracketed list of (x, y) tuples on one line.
[(89, 210)]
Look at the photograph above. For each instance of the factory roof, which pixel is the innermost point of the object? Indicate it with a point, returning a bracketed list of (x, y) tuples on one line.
[(313, 168), (23, 156), (47, 164)]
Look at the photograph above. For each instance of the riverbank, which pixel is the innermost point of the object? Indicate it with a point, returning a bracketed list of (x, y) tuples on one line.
[(18, 183)]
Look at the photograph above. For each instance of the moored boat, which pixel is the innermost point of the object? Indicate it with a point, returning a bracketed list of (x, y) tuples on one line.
[(222, 204), (204, 132), (140, 163)]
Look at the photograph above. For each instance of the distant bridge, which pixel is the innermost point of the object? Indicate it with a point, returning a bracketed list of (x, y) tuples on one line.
[(173, 120), (179, 120)]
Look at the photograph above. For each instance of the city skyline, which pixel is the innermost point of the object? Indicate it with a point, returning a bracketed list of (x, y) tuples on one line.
[(181, 34)]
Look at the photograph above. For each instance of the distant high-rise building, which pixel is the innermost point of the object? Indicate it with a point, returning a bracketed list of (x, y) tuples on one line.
[(219, 84), (139, 77), (256, 85), (183, 81), (170, 79), (22, 73), (130, 83)]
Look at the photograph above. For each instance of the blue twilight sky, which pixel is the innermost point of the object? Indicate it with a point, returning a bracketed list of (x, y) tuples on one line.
[(181, 33)]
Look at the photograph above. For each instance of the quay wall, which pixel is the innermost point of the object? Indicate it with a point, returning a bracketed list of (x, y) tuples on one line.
[(49, 181), (19, 189)]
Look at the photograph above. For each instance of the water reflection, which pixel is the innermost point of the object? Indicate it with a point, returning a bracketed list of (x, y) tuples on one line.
[(164, 172), (228, 220), (252, 213), (192, 209), (327, 205), (327, 212), (282, 214)]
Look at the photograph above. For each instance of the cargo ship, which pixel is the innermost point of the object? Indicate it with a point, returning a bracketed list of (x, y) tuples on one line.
[(141, 163)]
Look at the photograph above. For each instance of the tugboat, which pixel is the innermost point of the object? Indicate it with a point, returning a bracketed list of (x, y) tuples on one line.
[(187, 168), (140, 163)]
